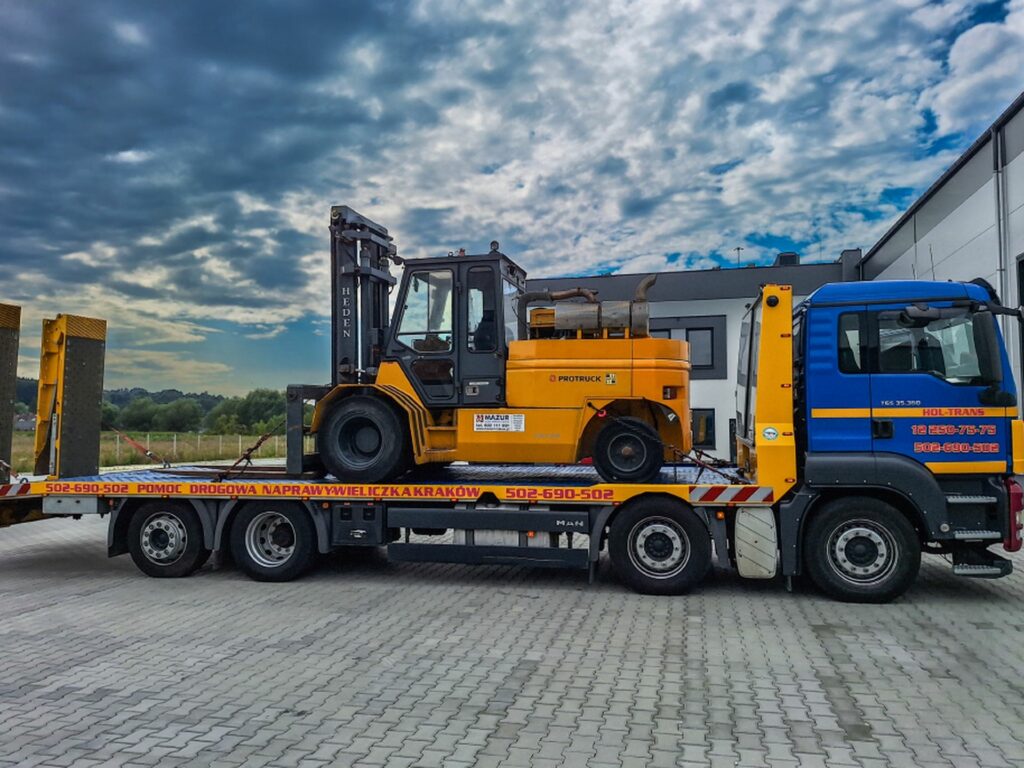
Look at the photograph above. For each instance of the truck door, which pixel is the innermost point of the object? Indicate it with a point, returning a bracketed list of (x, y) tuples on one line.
[(423, 341), (929, 398), (838, 387)]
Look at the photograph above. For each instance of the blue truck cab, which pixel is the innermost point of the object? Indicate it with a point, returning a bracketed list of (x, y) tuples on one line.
[(905, 404)]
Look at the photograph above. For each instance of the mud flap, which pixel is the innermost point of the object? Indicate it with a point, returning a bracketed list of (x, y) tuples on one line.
[(756, 543)]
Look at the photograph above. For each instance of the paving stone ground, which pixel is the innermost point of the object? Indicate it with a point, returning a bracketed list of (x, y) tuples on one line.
[(370, 663)]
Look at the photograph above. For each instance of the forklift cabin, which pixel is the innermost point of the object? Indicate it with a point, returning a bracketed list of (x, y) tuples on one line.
[(454, 319)]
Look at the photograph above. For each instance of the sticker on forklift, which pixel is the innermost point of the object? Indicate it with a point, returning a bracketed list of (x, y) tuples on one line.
[(499, 422), (770, 433)]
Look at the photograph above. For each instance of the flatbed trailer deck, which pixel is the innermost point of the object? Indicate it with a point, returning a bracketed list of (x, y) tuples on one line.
[(515, 514)]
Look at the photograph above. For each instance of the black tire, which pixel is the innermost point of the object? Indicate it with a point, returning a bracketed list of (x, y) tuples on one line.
[(628, 450), (273, 540), (658, 546), (861, 550), (165, 539), (364, 440)]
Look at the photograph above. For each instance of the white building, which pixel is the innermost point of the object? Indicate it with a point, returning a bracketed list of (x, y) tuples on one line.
[(706, 307), (969, 224)]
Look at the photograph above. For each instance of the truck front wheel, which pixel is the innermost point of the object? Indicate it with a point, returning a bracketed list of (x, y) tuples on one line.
[(861, 550), (659, 547), (362, 439), (165, 539)]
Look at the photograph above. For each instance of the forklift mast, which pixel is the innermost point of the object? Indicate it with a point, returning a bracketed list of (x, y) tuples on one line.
[(360, 282)]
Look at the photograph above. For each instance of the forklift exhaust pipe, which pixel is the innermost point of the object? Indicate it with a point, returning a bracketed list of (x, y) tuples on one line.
[(526, 299), (641, 289)]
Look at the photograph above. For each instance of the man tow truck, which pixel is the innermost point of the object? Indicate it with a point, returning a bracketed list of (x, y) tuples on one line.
[(876, 422)]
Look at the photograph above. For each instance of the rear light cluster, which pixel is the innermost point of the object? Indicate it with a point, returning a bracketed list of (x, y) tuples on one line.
[(1012, 541)]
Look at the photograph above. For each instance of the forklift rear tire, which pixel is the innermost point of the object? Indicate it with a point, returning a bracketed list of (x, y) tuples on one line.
[(861, 550), (628, 450), (364, 440), (273, 540), (659, 546), (165, 539)]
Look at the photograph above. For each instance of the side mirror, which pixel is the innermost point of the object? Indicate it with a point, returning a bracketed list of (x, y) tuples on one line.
[(986, 344), (990, 361)]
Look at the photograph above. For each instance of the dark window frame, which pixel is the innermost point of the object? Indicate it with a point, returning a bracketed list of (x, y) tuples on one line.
[(703, 367), (711, 440), (719, 350), (862, 343)]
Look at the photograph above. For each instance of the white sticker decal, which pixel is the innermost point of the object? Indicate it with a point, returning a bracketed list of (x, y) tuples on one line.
[(770, 433), (499, 422)]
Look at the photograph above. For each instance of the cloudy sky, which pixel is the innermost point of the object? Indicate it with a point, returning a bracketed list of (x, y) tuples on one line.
[(170, 166)]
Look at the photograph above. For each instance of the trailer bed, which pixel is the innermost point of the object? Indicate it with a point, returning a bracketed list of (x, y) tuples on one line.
[(466, 483)]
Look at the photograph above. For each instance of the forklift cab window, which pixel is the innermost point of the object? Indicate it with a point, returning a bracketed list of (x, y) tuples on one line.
[(480, 307), (427, 318), (510, 297)]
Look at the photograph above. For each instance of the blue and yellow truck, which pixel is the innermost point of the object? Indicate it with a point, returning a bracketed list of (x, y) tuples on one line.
[(877, 422)]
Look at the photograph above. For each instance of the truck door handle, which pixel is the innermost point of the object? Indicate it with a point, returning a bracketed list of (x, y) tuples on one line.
[(881, 429)]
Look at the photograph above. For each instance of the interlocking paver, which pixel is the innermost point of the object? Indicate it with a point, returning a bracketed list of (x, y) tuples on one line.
[(370, 663)]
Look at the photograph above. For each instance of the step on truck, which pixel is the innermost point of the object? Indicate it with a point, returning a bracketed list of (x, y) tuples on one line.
[(877, 422)]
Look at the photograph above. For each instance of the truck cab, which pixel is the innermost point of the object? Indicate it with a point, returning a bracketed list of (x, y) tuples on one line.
[(904, 425)]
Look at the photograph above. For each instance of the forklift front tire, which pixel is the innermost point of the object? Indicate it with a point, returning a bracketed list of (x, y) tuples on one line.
[(363, 440), (628, 450)]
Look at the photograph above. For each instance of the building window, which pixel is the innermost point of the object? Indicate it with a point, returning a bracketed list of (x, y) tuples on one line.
[(706, 335), (703, 422), (662, 334), (702, 346)]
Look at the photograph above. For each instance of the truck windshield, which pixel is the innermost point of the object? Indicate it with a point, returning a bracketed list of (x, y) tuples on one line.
[(944, 347)]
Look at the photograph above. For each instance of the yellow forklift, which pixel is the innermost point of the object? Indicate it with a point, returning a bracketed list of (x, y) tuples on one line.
[(467, 370)]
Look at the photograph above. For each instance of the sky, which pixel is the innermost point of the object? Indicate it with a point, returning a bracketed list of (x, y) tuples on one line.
[(170, 166)]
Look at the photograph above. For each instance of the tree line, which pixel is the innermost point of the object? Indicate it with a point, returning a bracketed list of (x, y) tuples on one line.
[(262, 410), (171, 410)]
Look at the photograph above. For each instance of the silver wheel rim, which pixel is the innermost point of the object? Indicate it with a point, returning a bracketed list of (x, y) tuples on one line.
[(270, 539), (163, 538), (862, 552), (659, 547)]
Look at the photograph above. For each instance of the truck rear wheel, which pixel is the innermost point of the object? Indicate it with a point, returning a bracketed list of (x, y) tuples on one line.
[(659, 547), (861, 550), (628, 450), (165, 539), (273, 541), (364, 440)]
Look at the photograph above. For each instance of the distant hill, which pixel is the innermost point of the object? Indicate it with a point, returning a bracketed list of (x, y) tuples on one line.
[(27, 390)]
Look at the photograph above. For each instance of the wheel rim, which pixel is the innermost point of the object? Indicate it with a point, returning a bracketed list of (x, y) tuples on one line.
[(359, 442), (163, 538), (626, 453), (270, 539), (659, 547), (862, 552)]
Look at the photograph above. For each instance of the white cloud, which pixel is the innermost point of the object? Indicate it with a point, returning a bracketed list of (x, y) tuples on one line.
[(130, 156), (128, 32), (986, 72)]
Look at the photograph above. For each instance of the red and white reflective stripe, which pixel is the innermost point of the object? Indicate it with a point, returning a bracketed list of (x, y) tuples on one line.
[(19, 489), (730, 494)]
